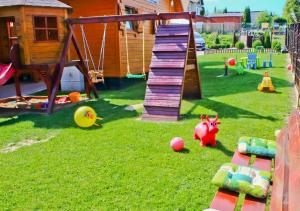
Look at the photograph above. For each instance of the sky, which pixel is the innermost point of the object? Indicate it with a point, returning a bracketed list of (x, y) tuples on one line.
[(239, 5)]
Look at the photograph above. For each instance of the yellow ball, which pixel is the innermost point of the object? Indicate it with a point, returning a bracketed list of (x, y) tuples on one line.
[(85, 116)]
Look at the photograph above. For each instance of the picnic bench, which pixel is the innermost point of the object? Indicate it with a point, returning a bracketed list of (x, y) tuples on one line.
[(285, 194)]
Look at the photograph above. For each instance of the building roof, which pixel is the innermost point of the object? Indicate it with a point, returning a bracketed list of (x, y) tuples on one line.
[(230, 14), (34, 3)]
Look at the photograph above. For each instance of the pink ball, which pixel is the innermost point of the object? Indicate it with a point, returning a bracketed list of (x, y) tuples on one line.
[(231, 62), (177, 144), (290, 67)]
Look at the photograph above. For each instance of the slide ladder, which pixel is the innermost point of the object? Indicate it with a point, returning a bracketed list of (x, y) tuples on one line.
[(173, 73)]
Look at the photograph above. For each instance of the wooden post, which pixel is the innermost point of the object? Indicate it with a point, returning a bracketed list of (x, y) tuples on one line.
[(58, 73), (17, 84)]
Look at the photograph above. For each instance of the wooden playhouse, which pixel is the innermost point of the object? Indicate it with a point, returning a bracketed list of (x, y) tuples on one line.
[(32, 36), (37, 26)]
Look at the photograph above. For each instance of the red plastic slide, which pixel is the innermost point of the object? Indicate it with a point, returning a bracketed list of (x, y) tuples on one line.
[(6, 72)]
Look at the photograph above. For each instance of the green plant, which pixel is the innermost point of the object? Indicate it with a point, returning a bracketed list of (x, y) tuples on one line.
[(226, 44), (256, 43), (291, 11), (276, 45), (215, 46), (247, 15), (263, 17), (279, 20), (202, 13), (240, 45), (217, 41), (267, 40)]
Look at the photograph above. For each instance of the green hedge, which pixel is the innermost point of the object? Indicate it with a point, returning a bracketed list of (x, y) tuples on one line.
[(240, 45), (276, 45)]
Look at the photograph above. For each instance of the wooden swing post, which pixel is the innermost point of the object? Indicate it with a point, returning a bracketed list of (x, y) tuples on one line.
[(59, 68)]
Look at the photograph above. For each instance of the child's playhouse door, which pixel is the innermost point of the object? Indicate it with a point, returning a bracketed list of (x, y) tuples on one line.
[(7, 37)]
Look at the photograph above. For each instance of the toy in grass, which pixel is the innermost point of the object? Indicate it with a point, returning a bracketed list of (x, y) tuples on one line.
[(266, 84), (231, 62), (177, 144), (74, 97), (206, 131), (290, 67), (85, 116)]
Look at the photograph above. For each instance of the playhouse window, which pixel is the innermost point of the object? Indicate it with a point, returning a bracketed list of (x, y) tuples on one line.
[(129, 11), (45, 28)]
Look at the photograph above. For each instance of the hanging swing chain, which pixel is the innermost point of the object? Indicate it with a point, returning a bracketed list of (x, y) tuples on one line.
[(143, 48), (126, 46), (88, 53), (102, 50), (143, 26), (87, 48)]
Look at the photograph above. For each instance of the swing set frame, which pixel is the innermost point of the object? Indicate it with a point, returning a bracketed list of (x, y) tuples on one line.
[(81, 63)]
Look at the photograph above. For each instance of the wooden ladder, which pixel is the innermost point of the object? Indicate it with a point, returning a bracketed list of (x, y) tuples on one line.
[(173, 73)]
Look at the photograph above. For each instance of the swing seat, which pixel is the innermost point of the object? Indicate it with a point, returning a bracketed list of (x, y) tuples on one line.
[(96, 76), (136, 76)]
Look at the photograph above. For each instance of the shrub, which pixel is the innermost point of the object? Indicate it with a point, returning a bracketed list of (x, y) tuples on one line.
[(256, 43), (215, 46), (226, 45), (217, 41), (276, 45), (267, 40), (240, 45)]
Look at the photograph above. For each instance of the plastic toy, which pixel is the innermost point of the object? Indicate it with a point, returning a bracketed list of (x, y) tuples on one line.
[(61, 100), (252, 61), (74, 97), (177, 144), (206, 131), (231, 62), (85, 116), (266, 84), (290, 67), (270, 62)]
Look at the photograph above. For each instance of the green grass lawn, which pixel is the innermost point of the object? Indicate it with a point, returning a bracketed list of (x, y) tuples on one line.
[(127, 163)]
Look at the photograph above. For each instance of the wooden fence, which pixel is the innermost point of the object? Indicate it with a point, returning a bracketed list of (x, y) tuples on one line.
[(233, 50), (293, 45)]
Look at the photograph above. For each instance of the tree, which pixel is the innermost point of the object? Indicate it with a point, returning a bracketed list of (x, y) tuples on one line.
[(225, 10), (291, 11), (267, 40), (247, 15), (263, 17), (202, 13), (215, 10), (279, 20)]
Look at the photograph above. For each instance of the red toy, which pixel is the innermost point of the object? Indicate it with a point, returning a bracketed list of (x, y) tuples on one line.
[(177, 144), (206, 131), (231, 62), (290, 67)]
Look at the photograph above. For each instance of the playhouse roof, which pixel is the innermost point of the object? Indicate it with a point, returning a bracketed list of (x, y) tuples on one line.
[(34, 3)]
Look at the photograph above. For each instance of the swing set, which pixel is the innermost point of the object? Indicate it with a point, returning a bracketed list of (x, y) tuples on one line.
[(97, 72), (92, 73)]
